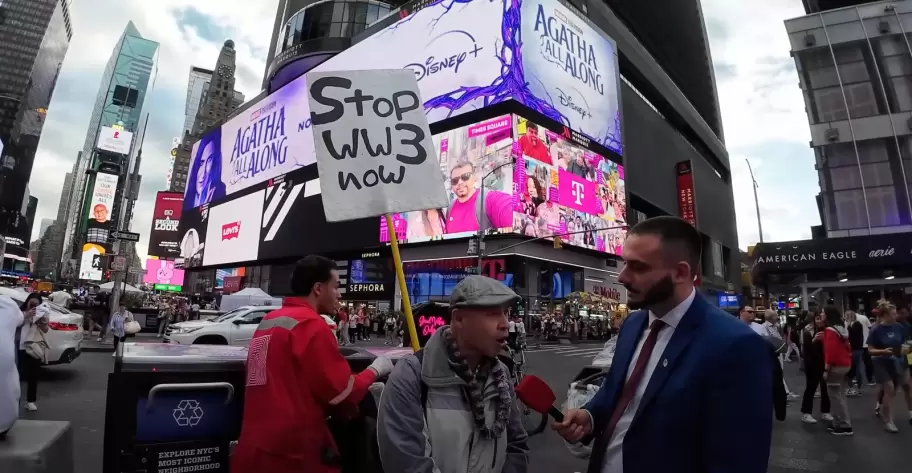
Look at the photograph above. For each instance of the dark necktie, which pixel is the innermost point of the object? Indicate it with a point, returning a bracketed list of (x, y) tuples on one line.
[(636, 376)]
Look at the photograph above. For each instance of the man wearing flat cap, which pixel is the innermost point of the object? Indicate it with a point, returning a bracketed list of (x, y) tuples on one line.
[(449, 408)]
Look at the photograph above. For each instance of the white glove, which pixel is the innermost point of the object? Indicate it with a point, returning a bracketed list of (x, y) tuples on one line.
[(382, 366)]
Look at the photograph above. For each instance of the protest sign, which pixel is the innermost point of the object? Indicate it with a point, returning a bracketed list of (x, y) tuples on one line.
[(373, 145)]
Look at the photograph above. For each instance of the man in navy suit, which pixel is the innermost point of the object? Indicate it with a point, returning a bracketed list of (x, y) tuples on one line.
[(690, 387)]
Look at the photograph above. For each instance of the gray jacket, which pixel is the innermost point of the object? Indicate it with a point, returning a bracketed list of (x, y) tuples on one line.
[(446, 440)]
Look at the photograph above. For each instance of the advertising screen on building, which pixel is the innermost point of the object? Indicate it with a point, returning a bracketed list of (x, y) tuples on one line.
[(114, 141), (234, 230), (464, 58), (91, 267), (164, 238), (159, 271), (556, 188), (101, 203)]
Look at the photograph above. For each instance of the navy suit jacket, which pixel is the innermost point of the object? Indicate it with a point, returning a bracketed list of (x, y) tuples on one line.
[(709, 410)]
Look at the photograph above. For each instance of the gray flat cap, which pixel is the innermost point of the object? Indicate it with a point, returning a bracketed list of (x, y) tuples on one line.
[(481, 291)]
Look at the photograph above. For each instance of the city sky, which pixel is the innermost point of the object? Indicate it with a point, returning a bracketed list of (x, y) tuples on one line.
[(761, 102)]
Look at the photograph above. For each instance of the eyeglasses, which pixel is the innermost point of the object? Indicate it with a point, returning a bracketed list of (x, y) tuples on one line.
[(464, 178)]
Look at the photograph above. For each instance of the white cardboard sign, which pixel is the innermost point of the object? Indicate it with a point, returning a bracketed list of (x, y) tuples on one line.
[(373, 144)]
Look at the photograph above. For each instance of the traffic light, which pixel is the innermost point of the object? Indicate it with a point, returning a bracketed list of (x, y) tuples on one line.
[(558, 243)]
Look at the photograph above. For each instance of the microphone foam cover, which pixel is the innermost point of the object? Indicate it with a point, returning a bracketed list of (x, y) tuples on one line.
[(536, 394)]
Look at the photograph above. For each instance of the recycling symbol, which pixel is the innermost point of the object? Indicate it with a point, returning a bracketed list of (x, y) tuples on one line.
[(188, 413)]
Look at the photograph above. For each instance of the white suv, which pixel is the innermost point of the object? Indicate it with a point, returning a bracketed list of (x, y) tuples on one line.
[(235, 327)]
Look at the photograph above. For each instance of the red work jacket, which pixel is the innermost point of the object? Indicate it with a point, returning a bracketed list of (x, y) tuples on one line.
[(295, 375)]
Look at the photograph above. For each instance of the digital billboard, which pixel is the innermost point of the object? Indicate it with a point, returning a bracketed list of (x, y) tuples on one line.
[(91, 267), (101, 203), (159, 271), (556, 187), (164, 238), (233, 232), (114, 141), (537, 53)]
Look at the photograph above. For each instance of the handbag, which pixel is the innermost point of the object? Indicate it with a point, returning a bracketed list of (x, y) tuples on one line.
[(132, 327), (36, 345)]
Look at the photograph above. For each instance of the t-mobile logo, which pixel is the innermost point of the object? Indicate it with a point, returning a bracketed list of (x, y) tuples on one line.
[(577, 192)]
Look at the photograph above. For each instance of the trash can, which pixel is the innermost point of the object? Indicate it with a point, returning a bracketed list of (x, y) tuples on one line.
[(173, 408)]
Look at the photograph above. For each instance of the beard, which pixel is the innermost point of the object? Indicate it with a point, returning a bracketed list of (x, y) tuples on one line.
[(660, 292)]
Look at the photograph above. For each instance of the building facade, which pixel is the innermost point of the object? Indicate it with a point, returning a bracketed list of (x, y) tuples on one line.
[(854, 64), (669, 115), (127, 79), (34, 38), (197, 86), (217, 100), (855, 69)]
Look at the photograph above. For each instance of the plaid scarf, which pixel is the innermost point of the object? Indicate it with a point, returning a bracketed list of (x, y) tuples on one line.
[(475, 387)]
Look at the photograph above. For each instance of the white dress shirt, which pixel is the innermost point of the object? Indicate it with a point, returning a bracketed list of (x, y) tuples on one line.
[(865, 328), (614, 454)]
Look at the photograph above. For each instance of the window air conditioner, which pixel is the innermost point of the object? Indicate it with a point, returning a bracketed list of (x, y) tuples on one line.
[(884, 27), (832, 134)]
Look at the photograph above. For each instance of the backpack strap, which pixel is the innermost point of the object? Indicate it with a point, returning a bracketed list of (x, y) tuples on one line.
[(419, 355)]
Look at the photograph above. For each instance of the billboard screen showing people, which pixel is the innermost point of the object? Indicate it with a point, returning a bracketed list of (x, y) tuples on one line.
[(564, 68), (101, 203), (164, 239), (556, 187)]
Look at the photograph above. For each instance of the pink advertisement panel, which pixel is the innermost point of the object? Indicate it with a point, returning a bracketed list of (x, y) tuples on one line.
[(159, 271)]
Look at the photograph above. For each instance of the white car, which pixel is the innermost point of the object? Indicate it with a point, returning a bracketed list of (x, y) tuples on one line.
[(64, 336), (235, 327)]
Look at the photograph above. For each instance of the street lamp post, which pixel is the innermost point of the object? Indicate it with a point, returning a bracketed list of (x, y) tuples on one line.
[(756, 201)]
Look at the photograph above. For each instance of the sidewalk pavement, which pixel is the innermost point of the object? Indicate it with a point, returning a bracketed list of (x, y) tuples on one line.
[(799, 447)]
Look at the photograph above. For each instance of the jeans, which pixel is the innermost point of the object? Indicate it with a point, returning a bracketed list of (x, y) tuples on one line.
[(29, 367), (118, 341), (835, 388), (813, 381), (163, 323), (858, 367)]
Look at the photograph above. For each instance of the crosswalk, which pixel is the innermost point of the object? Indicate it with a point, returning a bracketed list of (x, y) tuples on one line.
[(582, 351)]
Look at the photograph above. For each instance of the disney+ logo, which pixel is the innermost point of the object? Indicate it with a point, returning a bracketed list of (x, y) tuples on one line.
[(434, 65), (567, 101)]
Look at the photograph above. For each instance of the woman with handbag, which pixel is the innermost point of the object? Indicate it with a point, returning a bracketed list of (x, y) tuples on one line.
[(32, 347), (121, 324)]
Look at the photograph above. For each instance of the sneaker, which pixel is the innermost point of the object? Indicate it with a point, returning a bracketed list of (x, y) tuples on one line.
[(827, 417), (31, 407), (842, 430), (853, 392), (792, 396), (808, 419), (817, 395), (871, 384), (891, 427), (876, 411)]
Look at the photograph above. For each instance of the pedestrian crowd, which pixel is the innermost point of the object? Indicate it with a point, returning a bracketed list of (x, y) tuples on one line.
[(842, 355)]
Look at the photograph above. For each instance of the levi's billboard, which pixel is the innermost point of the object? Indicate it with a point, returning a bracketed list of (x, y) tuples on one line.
[(164, 239), (538, 53)]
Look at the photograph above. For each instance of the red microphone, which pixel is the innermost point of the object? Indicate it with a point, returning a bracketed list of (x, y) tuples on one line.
[(536, 394)]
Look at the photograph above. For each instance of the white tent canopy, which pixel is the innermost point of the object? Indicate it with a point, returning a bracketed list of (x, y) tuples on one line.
[(109, 286), (252, 292), (248, 296)]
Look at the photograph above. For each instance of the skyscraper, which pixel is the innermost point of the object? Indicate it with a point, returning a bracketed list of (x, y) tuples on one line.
[(116, 116), (218, 100), (45, 224), (34, 38), (197, 87)]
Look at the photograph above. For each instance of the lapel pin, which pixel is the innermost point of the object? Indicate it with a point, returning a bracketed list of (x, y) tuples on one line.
[(665, 363)]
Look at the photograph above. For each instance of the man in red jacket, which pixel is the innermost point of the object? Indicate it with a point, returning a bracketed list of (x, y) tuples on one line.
[(296, 377)]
